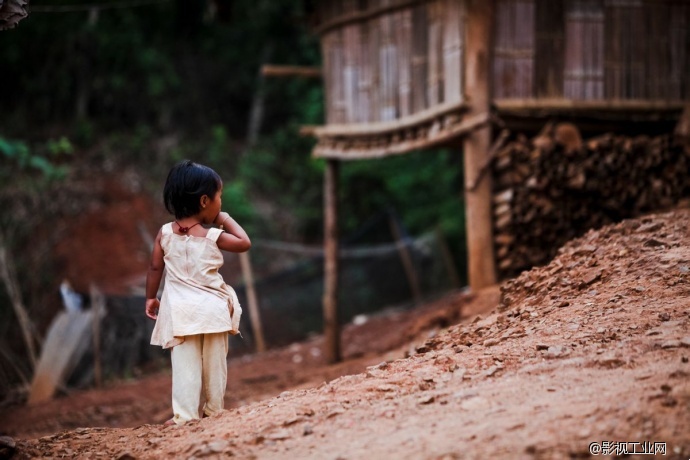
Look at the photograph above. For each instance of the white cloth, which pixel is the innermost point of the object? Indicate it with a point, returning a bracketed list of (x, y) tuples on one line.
[(200, 374), (195, 298)]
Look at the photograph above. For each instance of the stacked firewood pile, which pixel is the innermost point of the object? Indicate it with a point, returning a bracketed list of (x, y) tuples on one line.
[(554, 187)]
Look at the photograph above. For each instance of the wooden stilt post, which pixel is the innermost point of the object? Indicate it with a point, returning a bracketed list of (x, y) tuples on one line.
[(481, 263), (254, 315), (330, 295)]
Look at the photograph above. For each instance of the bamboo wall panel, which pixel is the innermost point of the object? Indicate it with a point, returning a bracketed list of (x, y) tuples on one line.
[(584, 50), (433, 53), (351, 70), (677, 26), (514, 49), (403, 29), (336, 111), (419, 59), (454, 31), (625, 37), (549, 48), (388, 54), (404, 59), (661, 82), (365, 86), (374, 35), (388, 64)]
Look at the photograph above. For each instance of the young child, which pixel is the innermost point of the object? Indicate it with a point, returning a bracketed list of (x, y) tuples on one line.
[(197, 309)]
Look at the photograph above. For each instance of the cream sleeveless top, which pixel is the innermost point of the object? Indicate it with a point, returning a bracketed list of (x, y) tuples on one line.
[(195, 298)]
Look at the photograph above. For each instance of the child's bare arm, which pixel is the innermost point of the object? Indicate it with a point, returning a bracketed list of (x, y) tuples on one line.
[(153, 278), (234, 239)]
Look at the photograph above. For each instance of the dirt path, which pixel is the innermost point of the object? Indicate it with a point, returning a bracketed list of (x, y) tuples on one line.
[(251, 378), (593, 348)]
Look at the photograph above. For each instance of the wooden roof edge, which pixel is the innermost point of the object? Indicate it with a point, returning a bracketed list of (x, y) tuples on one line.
[(564, 104), (363, 15), (503, 106), (350, 149), (386, 127)]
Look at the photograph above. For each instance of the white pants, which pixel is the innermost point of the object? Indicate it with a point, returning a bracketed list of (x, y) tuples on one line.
[(199, 370)]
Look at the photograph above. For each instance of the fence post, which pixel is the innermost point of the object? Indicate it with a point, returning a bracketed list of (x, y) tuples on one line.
[(330, 296), (405, 258), (447, 258), (254, 314), (98, 309)]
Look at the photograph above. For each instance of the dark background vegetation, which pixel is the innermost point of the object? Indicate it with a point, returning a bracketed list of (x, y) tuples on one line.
[(90, 94)]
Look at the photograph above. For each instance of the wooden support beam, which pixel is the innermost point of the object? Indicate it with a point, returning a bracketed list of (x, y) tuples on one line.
[(530, 106), (387, 127), (330, 296), (481, 263), (270, 70)]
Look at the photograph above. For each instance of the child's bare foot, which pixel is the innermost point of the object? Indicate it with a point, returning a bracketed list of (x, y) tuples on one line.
[(170, 422)]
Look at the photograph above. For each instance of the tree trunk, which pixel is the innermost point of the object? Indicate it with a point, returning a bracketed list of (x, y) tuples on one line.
[(9, 278)]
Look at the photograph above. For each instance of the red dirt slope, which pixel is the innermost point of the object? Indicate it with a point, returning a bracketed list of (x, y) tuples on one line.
[(588, 355)]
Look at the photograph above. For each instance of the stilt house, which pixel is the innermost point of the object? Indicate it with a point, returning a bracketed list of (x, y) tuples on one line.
[(404, 75)]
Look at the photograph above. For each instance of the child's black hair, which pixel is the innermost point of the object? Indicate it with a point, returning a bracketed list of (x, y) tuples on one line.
[(187, 182)]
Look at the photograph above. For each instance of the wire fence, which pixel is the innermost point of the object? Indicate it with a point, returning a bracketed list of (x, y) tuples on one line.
[(371, 278)]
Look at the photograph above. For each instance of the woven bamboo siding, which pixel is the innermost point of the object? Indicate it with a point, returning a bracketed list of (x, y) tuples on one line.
[(403, 28), (592, 49), (550, 43), (668, 50), (658, 53), (419, 60), (584, 50), (388, 65), (514, 49), (453, 29), (385, 60), (434, 75), (394, 70), (624, 36), (678, 81)]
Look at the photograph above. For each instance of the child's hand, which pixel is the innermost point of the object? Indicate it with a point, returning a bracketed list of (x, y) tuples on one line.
[(220, 218), (152, 306)]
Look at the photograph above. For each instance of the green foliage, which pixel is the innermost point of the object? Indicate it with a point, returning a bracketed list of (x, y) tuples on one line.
[(219, 146), (59, 147), (19, 162), (169, 65), (83, 133), (279, 170), (424, 188), (174, 71), (237, 203)]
